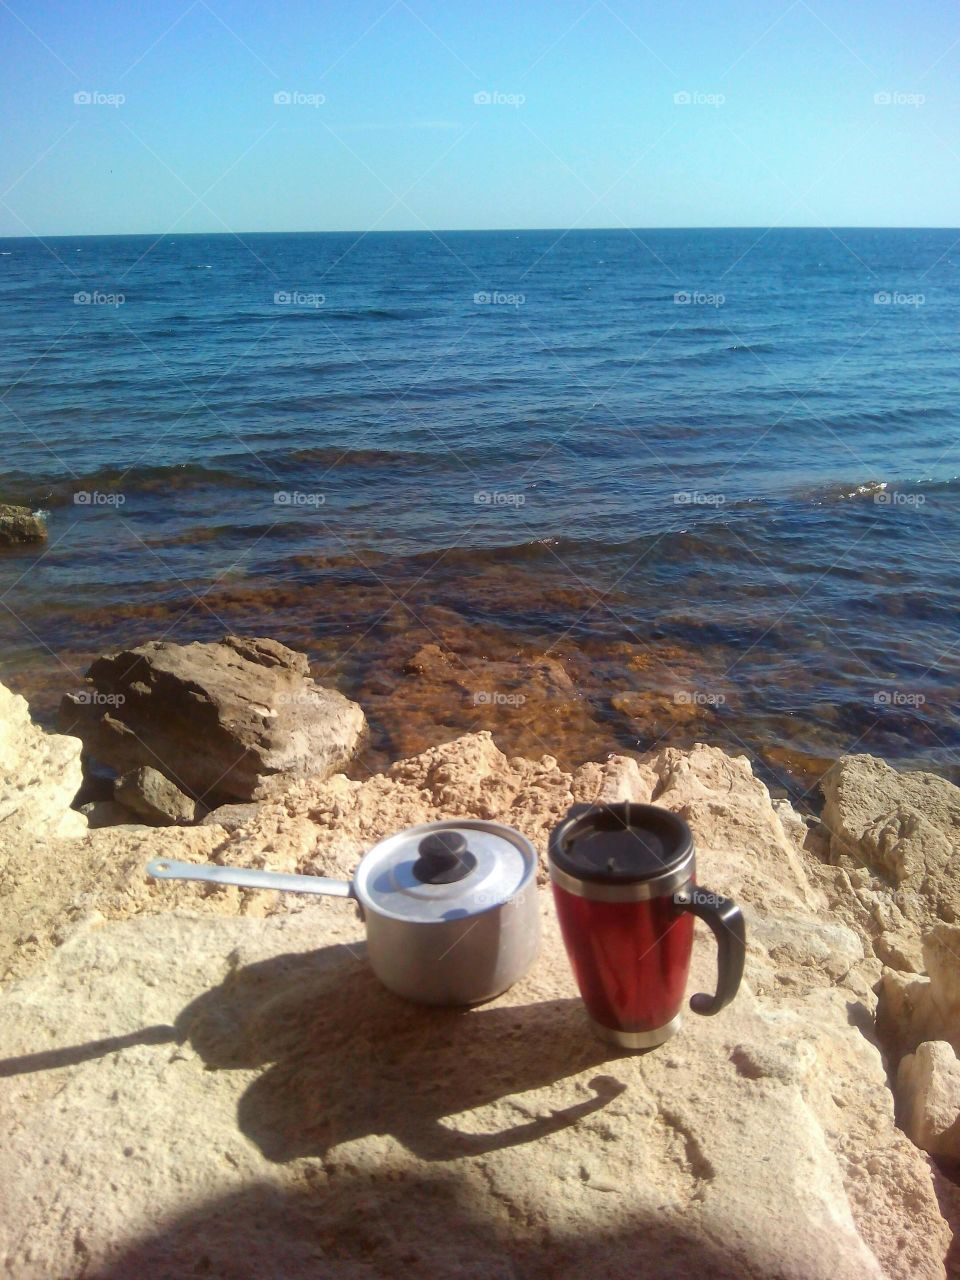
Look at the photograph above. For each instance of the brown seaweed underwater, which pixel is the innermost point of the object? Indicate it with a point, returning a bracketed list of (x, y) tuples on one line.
[(518, 641)]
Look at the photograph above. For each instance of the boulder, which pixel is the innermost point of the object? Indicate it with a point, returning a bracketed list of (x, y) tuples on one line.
[(911, 1009), (893, 841), (154, 798), (225, 721), (274, 1111), (40, 773), (230, 816), (928, 1093), (20, 526), (107, 813), (903, 828)]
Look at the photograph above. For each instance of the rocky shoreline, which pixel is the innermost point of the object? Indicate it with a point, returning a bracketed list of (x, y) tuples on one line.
[(208, 1080)]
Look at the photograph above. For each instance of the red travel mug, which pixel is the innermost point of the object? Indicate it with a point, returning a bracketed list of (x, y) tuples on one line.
[(624, 884)]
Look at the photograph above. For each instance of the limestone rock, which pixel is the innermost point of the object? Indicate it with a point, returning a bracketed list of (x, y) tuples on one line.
[(227, 721), (893, 840), (20, 526), (618, 778), (905, 827), (928, 1092), (154, 798), (900, 950), (293, 1118), (912, 1010), (230, 816), (799, 942), (40, 774), (763, 862), (212, 1081), (107, 813)]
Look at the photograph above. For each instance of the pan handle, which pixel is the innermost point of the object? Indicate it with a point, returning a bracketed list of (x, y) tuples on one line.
[(167, 869)]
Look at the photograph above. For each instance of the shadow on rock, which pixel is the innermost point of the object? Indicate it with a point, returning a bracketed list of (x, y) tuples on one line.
[(388, 1223), (346, 1059), (73, 1055)]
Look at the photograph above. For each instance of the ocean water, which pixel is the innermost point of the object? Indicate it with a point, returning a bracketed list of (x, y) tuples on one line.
[(632, 487)]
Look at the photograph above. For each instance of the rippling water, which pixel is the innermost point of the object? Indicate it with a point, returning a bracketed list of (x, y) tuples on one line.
[(633, 487)]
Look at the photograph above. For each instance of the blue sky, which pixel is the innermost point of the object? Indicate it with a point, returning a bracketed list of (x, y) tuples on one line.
[(799, 114)]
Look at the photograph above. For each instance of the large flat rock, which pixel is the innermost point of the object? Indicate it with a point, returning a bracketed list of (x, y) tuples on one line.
[(211, 1082)]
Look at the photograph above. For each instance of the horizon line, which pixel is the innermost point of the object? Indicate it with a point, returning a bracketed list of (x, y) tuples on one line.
[(449, 231)]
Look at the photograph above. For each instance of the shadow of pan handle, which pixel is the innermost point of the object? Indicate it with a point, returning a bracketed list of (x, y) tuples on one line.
[(72, 1055)]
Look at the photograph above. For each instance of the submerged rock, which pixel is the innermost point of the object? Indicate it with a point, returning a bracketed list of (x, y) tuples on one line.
[(225, 721), (20, 526)]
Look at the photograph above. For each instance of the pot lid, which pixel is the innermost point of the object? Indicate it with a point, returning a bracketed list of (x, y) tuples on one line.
[(445, 870), (621, 843)]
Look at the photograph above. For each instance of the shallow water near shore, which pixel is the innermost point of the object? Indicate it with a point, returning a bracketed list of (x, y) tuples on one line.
[(593, 491)]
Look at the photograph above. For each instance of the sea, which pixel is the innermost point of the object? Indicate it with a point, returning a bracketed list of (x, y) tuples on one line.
[(592, 491)]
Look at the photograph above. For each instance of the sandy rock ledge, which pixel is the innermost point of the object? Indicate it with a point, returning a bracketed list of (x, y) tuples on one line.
[(211, 1082)]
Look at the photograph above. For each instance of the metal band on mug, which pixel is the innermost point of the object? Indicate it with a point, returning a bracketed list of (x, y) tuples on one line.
[(676, 877), (637, 1039)]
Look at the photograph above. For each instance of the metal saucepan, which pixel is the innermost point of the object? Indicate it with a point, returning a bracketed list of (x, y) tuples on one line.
[(450, 907)]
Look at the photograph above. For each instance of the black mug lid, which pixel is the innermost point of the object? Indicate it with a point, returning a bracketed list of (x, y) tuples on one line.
[(621, 843)]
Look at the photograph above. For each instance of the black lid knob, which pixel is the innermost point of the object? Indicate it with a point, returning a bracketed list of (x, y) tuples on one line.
[(444, 858)]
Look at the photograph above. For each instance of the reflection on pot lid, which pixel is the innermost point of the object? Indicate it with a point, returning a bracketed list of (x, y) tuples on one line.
[(445, 870)]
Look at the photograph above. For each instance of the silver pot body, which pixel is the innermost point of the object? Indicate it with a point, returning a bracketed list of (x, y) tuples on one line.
[(461, 961), (458, 943), (434, 942)]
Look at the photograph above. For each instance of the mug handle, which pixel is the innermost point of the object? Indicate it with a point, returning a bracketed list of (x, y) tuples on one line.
[(726, 920)]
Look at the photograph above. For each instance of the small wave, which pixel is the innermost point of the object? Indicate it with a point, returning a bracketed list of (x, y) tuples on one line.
[(575, 349), (557, 550), (242, 532), (863, 490), (59, 491), (872, 488), (713, 355), (939, 486), (344, 456), (828, 494), (356, 313)]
